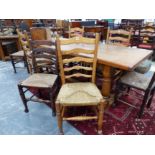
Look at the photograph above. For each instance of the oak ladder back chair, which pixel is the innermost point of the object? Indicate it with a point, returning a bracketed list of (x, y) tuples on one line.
[(76, 32), (139, 82), (45, 75), (78, 94), (20, 56), (118, 37)]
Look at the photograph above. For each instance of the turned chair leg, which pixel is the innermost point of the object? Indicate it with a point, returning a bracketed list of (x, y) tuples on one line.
[(100, 117), (23, 98), (13, 64), (59, 117)]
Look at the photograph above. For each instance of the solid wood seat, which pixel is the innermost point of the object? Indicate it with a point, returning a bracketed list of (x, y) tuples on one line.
[(40, 80), (79, 93), (136, 80)]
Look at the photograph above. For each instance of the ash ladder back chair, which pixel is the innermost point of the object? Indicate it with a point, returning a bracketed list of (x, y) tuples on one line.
[(78, 94), (20, 56), (45, 77)]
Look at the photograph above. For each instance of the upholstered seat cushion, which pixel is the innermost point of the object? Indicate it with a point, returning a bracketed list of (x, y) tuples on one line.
[(18, 54), (80, 93), (144, 66), (136, 80), (40, 80)]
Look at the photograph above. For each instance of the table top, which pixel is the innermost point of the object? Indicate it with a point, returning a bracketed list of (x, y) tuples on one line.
[(126, 58), (9, 37)]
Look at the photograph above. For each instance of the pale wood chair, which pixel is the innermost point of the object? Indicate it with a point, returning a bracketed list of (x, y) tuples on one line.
[(21, 56), (76, 32), (118, 37), (45, 76), (76, 94)]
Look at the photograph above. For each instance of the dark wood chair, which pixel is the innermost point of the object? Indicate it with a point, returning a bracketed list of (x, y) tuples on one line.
[(20, 56), (45, 77), (38, 33), (139, 82), (78, 94), (146, 38)]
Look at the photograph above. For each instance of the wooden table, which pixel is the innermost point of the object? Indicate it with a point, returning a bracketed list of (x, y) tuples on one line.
[(125, 58), (8, 38)]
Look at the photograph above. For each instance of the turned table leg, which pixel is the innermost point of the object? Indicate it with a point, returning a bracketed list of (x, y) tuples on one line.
[(106, 85)]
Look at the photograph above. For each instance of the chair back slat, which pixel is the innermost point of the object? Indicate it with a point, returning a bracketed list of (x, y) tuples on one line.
[(75, 60)]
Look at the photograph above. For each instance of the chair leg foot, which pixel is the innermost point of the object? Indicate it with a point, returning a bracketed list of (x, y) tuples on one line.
[(26, 110), (99, 132), (100, 116), (13, 64)]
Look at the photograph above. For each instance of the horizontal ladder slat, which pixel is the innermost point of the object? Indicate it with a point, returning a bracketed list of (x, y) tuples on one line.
[(77, 40), (78, 68), (77, 50), (78, 59), (78, 75)]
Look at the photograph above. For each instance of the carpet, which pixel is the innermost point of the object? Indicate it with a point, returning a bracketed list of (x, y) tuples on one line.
[(121, 120)]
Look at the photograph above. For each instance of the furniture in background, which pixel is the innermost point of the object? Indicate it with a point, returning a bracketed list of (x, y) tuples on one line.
[(118, 37), (77, 94), (45, 75), (76, 32), (21, 56), (38, 33), (141, 82), (8, 38)]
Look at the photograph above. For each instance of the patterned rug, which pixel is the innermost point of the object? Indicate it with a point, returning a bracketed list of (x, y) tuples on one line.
[(121, 120)]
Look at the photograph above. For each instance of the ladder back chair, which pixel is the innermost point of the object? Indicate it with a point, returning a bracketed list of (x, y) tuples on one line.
[(76, 32), (45, 77), (118, 37), (21, 56), (139, 82), (38, 33), (76, 94)]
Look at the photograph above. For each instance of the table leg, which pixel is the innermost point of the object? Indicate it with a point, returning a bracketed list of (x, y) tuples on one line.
[(106, 85)]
